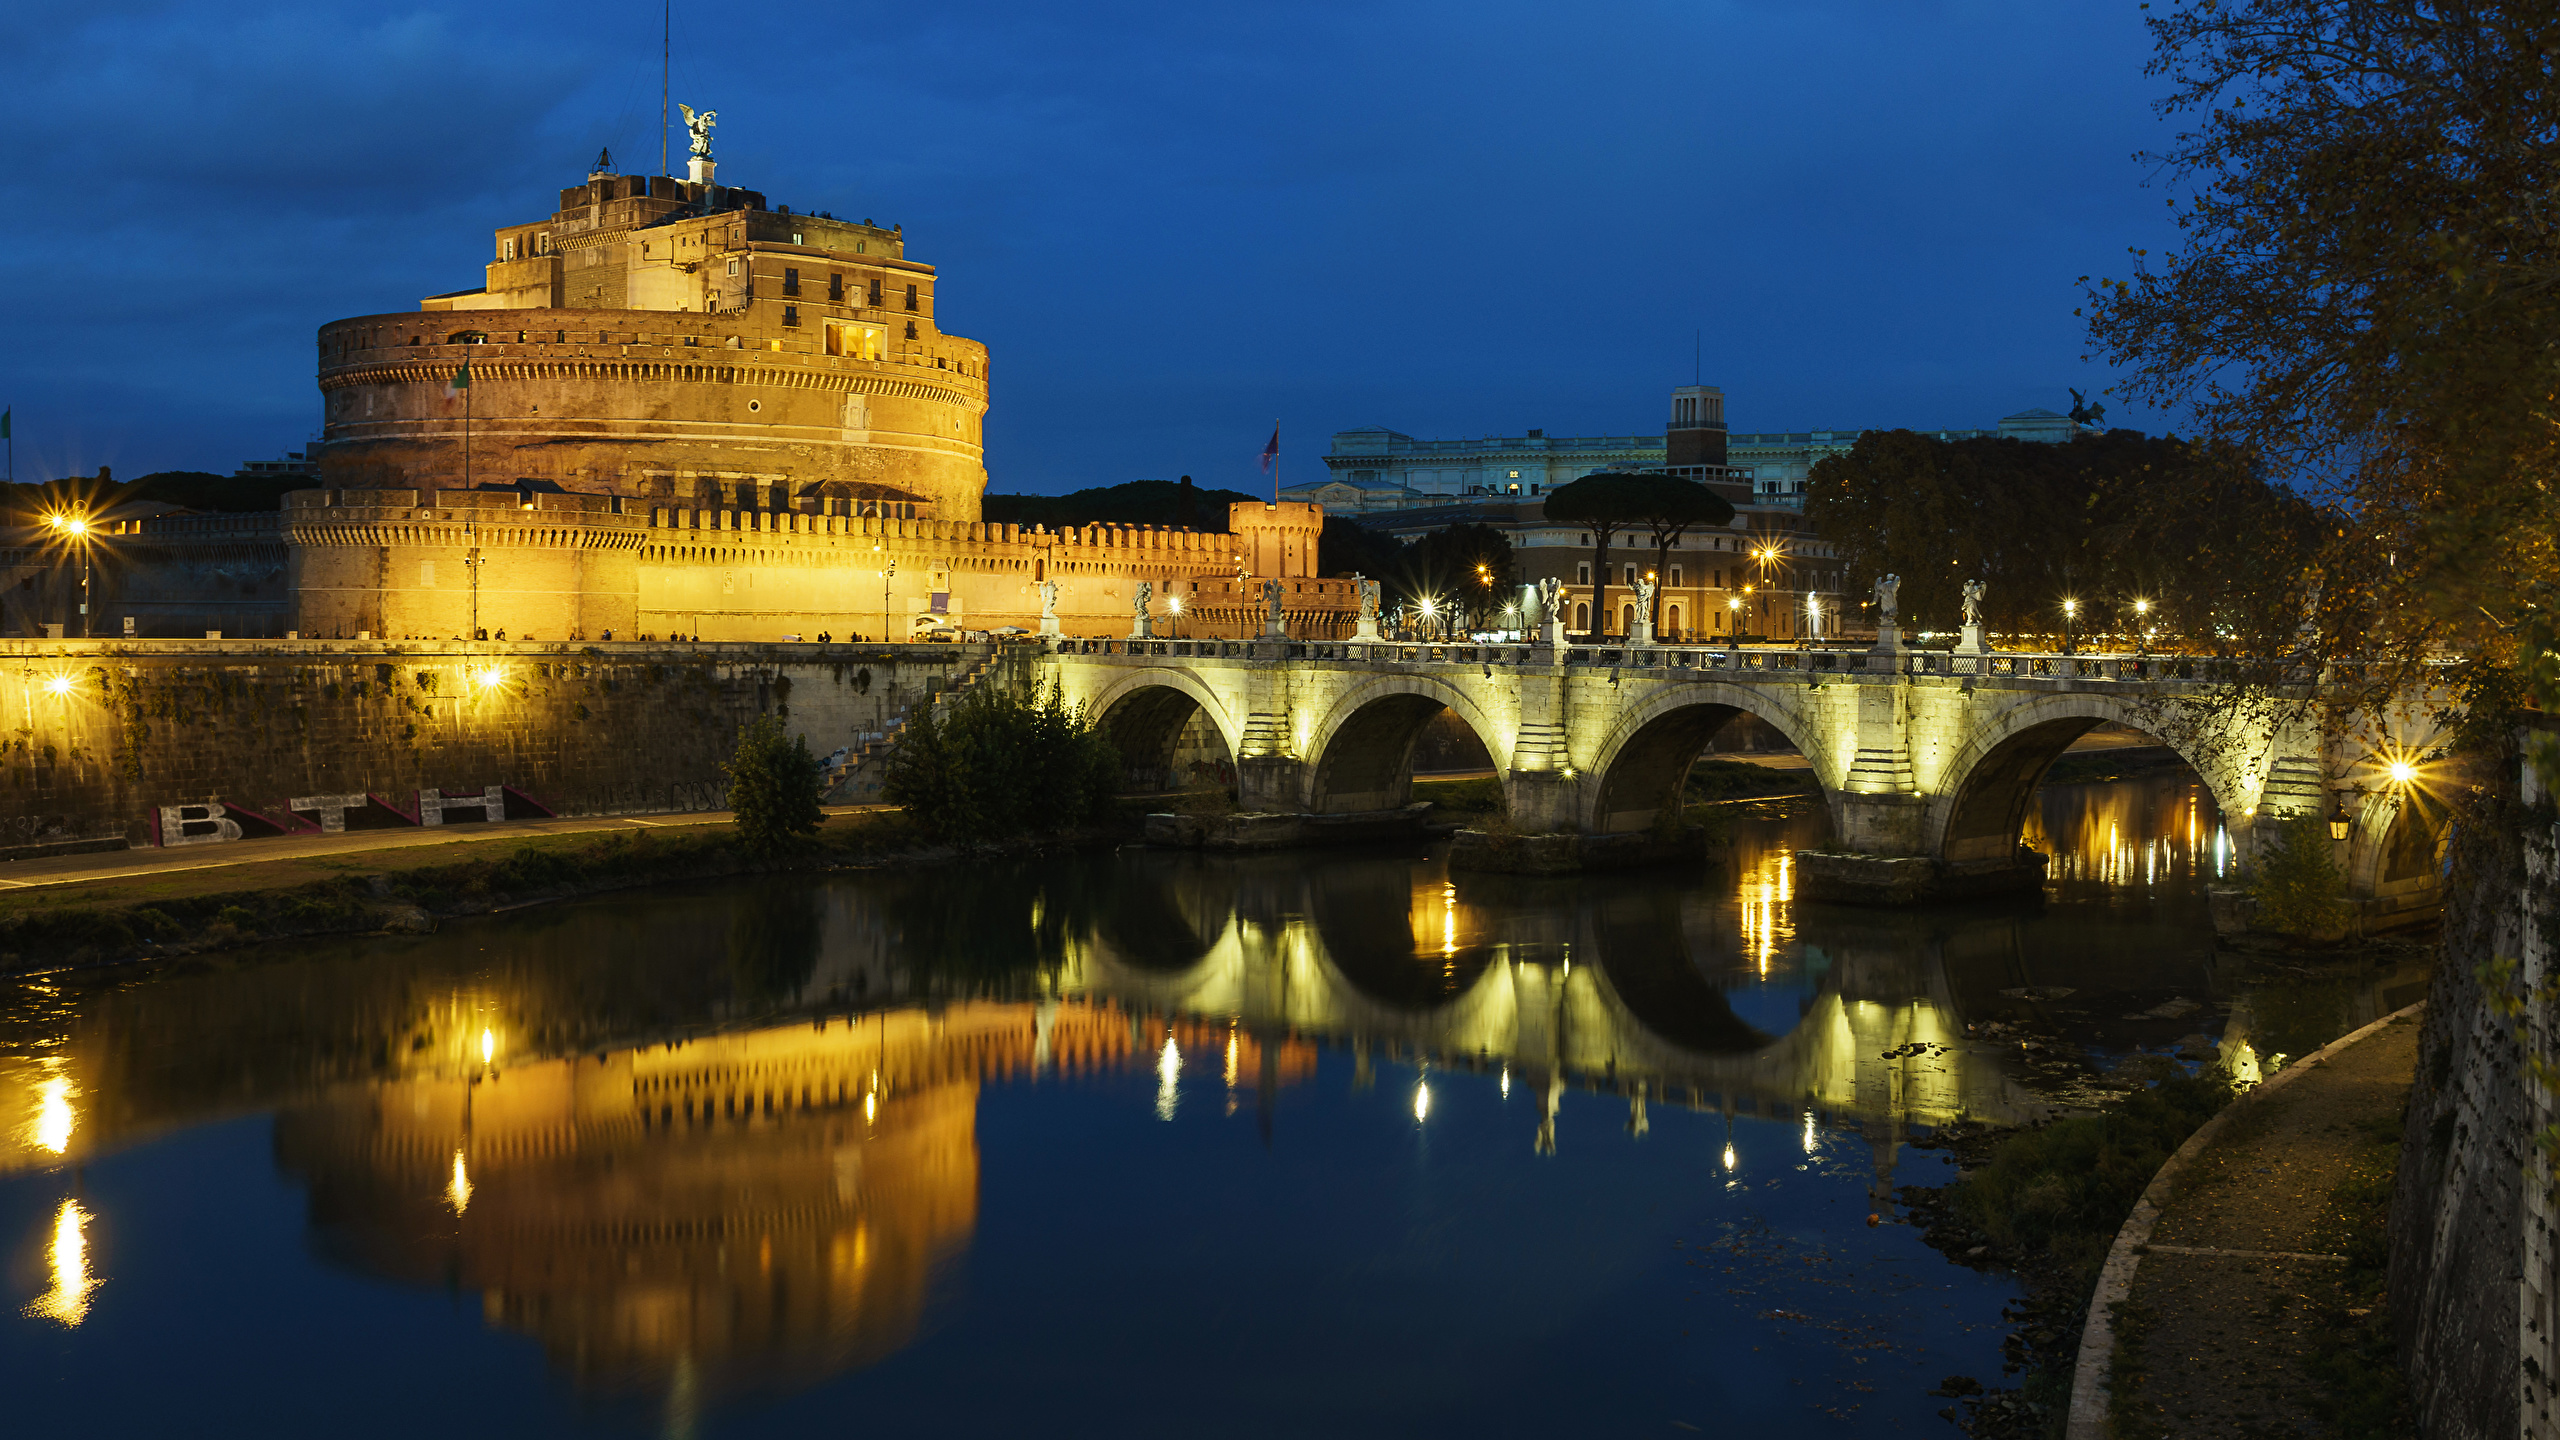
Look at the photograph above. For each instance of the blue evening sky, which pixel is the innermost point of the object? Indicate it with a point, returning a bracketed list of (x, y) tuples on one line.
[(1169, 223)]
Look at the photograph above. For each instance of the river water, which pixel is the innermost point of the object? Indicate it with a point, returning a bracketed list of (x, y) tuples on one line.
[(1138, 1144)]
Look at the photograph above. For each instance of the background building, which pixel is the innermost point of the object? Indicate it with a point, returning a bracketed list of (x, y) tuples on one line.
[(1765, 574)]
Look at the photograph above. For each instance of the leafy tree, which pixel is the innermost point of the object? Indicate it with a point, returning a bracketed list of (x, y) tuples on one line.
[(1138, 502), (1609, 501), (773, 786), (2296, 882), (2361, 301), (2105, 519), (1445, 564), (1000, 764), (1347, 547)]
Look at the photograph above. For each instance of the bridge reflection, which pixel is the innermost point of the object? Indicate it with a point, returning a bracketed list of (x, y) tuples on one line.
[(721, 1143)]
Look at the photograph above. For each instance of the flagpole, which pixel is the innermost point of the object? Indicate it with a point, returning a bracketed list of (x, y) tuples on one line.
[(1275, 460)]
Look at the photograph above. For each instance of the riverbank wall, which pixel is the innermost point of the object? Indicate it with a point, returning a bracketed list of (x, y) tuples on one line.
[(212, 742), (2475, 1272)]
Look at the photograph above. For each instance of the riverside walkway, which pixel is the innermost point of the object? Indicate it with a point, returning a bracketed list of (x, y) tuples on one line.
[(2247, 1252)]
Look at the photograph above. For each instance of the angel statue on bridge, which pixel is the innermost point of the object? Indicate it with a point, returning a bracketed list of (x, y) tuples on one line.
[(1888, 592), (1048, 599), (1369, 601), (1973, 602)]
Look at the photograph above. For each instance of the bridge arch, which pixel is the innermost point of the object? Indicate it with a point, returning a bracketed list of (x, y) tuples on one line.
[(1145, 711), (1649, 750), (1980, 805), (1360, 751)]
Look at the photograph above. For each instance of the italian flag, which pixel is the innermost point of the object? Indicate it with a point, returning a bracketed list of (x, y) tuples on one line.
[(460, 382)]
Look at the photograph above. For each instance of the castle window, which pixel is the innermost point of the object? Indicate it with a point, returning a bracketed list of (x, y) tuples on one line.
[(911, 297), (790, 314), (507, 250), (859, 342), (835, 288), (911, 329), (790, 281), (542, 244), (875, 289)]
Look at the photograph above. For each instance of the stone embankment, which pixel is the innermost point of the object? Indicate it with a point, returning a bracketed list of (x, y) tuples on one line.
[(211, 742)]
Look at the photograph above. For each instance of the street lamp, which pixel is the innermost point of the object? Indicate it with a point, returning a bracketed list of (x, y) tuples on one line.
[(74, 529), (1173, 605), (1430, 608), (2069, 609), (1812, 616), (888, 568)]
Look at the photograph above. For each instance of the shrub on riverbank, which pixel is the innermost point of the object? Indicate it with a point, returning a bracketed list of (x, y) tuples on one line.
[(2060, 1193), (1000, 764), (2296, 883), (773, 787)]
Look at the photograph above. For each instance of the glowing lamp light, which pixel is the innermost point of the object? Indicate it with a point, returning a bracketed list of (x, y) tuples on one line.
[(2141, 607), (58, 685), (1421, 1102), (487, 676), (2070, 607), (488, 1046), (2402, 772), (74, 525)]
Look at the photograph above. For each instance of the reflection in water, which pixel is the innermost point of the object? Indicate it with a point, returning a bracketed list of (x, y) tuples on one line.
[(718, 1143), (68, 1301), (2138, 833)]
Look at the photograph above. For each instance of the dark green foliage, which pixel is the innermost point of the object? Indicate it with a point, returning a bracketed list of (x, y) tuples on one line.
[(1444, 565), (998, 764), (2297, 884), (1139, 502), (2104, 520), (2062, 1191), (1611, 502), (773, 787), (1348, 547)]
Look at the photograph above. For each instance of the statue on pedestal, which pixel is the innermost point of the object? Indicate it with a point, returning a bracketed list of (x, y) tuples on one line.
[(1273, 626), (1888, 591), (1970, 642), (1369, 601), (1551, 609), (699, 127), (1642, 634), (1142, 625), (1049, 607)]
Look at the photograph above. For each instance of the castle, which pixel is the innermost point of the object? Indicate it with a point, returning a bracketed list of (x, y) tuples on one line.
[(673, 410)]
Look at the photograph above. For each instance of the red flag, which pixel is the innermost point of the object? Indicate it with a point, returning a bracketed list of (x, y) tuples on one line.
[(1271, 452)]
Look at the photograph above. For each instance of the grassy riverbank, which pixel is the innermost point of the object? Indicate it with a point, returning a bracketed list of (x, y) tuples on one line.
[(2047, 1203), (412, 889)]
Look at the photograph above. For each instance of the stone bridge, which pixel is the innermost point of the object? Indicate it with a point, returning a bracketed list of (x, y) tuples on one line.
[(1927, 761)]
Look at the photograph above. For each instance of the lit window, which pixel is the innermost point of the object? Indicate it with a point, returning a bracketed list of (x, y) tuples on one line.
[(859, 342)]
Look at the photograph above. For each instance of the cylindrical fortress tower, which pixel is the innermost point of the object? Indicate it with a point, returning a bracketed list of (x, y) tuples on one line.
[(674, 341)]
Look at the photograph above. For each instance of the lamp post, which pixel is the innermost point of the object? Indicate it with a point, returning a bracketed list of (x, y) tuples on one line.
[(1732, 616), (888, 568), (1812, 616), (2069, 609), (1484, 582), (75, 529), (1173, 605), (2142, 623)]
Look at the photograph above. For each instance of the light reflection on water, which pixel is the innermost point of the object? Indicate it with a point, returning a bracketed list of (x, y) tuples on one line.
[(729, 1146)]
